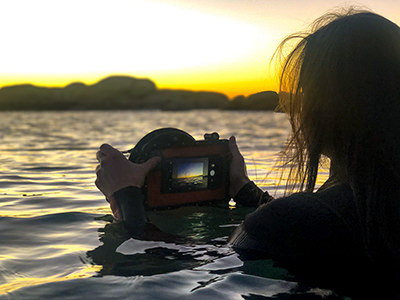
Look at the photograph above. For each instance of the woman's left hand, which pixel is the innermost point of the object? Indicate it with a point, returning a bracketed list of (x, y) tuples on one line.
[(115, 172)]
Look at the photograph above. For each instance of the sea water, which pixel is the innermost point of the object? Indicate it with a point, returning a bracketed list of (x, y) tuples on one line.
[(57, 237)]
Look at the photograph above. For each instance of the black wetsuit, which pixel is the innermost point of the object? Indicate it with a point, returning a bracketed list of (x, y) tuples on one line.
[(317, 225), (313, 235)]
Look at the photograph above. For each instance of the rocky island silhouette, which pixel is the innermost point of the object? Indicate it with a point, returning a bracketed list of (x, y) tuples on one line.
[(125, 92)]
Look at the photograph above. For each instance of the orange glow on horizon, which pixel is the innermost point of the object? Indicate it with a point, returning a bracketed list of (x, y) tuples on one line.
[(227, 84)]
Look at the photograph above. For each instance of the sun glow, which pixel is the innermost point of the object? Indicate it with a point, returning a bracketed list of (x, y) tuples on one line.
[(134, 35), (222, 46), (81, 40)]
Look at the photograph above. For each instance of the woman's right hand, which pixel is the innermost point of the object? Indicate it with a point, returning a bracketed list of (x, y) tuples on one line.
[(238, 172), (115, 172)]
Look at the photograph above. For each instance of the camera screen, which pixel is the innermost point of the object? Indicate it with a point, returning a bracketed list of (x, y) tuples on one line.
[(189, 173)]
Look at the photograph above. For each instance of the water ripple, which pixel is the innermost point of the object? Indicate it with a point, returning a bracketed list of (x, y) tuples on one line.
[(57, 239)]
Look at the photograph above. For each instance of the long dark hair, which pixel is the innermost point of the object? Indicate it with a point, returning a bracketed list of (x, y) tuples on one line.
[(340, 86)]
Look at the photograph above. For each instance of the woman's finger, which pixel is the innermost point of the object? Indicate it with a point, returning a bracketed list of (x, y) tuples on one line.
[(150, 164), (109, 150), (100, 156)]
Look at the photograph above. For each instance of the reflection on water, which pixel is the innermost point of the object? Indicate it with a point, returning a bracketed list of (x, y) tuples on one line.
[(55, 230)]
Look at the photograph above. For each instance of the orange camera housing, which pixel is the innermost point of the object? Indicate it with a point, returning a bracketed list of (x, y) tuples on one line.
[(190, 174), (190, 171)]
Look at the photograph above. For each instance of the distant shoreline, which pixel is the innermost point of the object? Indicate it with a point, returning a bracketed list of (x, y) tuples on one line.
[(125, 93)]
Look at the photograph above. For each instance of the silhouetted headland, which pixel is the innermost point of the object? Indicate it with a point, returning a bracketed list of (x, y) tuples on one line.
[(124, 92)]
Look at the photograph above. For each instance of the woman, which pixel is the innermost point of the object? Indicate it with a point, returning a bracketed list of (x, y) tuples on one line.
[(340, 87)]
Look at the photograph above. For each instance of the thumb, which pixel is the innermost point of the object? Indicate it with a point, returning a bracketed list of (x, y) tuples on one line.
[(233, 147), (151, 164)]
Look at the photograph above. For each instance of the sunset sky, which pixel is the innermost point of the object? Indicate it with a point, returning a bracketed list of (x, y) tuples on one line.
[(215, 45)]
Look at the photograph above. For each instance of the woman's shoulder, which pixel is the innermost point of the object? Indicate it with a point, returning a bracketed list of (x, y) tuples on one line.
[(304, 221), (335, 199)]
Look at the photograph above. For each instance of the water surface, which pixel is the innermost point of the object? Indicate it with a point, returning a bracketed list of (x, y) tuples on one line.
[(57, 238)]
